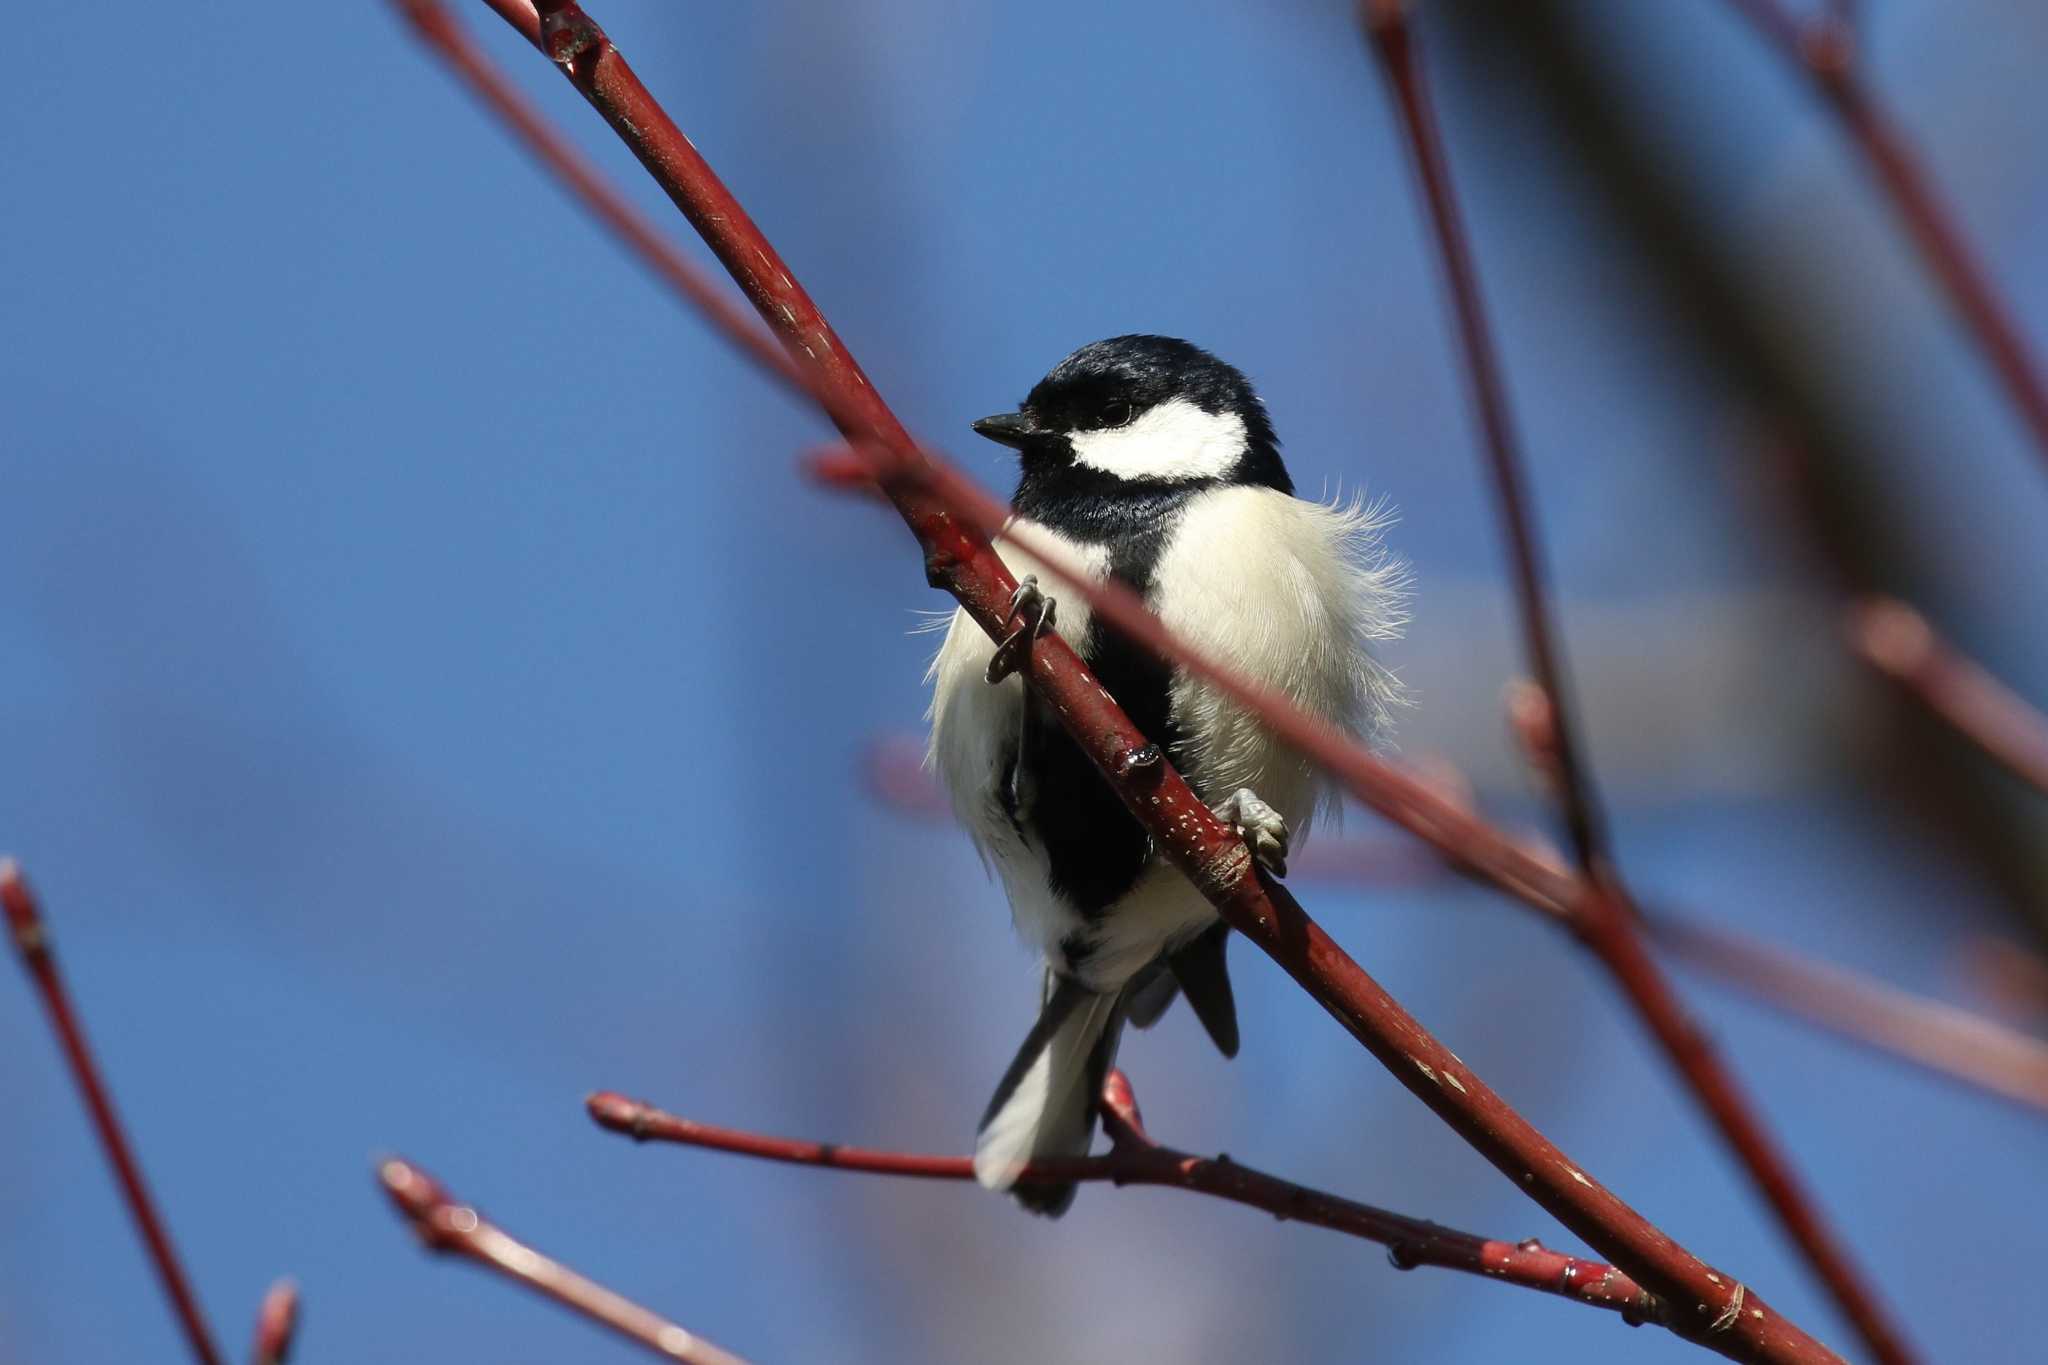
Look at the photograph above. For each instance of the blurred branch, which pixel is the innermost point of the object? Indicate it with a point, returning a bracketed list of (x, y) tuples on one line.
[(32, 942), (1136, 1159), (1604, 917), (1392, 38), (2015, 978), (1950, 1041), (1898, 642), (277, 1322), (950, 518), (1824, 50), (446, 1226)]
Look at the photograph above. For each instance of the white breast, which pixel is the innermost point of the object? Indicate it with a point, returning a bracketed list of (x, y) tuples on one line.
[(1291, 594)]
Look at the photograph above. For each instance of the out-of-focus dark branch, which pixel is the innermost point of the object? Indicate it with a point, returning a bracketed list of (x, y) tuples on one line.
[(1603, 915), (277, 1322), (1136, 1159), (1824, 51), (1898, 642), (32, 942), (945, 513), (447, 1226)]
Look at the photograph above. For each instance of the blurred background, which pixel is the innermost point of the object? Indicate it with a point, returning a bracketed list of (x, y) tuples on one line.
[(431, 692)]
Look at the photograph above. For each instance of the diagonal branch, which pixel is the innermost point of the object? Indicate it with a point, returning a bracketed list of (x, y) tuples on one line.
[(1898, 642), (1604, 917), (32, 942), (1718, 1312), (1948, 1041), (1824, 50), (446, 1226), (1136, 1159)]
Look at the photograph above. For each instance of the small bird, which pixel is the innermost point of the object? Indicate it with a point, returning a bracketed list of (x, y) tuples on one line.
[(1150, 462)]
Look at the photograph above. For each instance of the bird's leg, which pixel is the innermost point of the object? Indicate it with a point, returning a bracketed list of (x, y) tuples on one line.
[(1263, 829), (1032, 610)]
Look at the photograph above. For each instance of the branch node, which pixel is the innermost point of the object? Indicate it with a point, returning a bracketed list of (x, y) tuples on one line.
[(1729, 1315), (567, 34), (1133, 761)]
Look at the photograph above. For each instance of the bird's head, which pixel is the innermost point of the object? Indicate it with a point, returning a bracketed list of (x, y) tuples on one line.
[(1143, 413)]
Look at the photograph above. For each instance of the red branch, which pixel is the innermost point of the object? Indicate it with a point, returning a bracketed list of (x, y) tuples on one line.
[(1949, 1041), (1898, 642), (1386, 22), (277, 1322), (32, 942), (1136, 1159), (1825, 51), (1715, 1310), (1604, 918), (444, 1225)]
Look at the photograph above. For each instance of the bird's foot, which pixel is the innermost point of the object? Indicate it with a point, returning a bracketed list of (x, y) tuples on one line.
[(1032, 611), (1263, 829)]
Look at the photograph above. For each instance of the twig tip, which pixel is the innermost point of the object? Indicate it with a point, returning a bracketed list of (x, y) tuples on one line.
[(277, 1323)]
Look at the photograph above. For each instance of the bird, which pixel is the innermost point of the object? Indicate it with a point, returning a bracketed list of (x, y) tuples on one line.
[(1148, 461)]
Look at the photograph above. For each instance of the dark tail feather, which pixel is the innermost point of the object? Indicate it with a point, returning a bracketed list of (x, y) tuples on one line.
[(1045, 1104), (1204, 976), (1149, 995)]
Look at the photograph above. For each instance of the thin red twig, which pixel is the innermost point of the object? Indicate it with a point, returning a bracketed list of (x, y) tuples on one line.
[(1898, 642), (447, 1226), (1719, 1312), (1605, 917), (32, 942), (277, 1323), (1136, 1159), (1824, 50)]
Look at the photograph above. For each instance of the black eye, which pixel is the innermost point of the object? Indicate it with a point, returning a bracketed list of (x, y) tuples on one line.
[(1115, 413)]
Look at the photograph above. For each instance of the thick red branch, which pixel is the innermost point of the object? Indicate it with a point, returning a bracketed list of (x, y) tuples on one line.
[(1708, 1307), (1824, 50), (1135, 1159), (447, 1226), (1605, 918), (32, 942), (1898, 642)]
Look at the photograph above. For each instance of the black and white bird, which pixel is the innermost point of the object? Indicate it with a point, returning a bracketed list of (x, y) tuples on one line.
[(1151, 462)]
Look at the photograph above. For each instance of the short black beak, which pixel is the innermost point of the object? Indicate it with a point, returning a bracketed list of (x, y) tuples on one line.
[(1012, 429)]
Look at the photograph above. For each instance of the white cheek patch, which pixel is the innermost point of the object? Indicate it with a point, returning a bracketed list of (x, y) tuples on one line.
[(1175, 440)]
